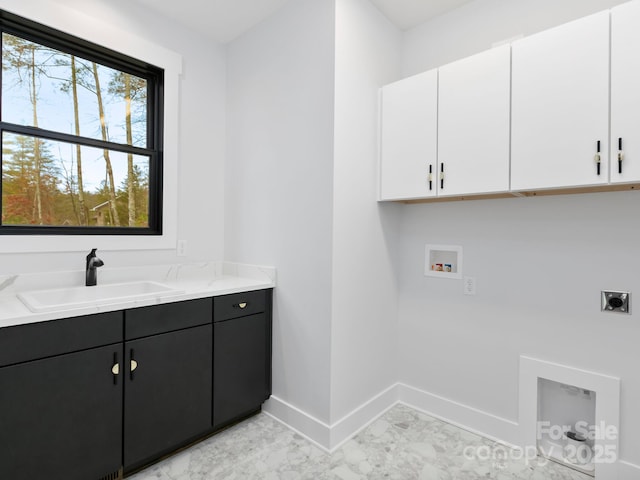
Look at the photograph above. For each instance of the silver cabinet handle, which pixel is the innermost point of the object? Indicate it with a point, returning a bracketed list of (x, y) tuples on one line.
[(134, 365)]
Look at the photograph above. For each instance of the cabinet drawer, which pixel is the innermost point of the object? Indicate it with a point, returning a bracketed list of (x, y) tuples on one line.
[(238, 305), (145, 321), (23, 343)]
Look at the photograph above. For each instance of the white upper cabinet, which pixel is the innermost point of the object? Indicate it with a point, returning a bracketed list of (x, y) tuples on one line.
[(408, 144), (625, 93), (473, 123), (560, 106)]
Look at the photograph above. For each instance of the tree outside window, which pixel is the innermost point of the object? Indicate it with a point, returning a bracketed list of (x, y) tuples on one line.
[(80, 137)]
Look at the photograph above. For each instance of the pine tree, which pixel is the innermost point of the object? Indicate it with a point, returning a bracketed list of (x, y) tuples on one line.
[(20, 55), (29, 174), (134, 91)]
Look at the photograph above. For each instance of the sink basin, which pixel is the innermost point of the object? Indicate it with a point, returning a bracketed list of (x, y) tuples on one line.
[(77, 297)]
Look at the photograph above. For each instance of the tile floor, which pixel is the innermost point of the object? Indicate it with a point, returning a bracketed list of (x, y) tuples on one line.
[(403, 444)]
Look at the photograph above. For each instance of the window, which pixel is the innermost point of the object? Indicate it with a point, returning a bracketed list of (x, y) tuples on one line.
[(81, 130)]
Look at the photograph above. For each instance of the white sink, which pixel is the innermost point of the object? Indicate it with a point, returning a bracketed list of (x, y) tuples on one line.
[(77, 297)]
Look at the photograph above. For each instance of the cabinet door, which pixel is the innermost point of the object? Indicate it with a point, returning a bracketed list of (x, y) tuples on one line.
[(241, 367), (61, 417), (625, 93), (408, 143), (560, 105), (167, 393), (474, 122)]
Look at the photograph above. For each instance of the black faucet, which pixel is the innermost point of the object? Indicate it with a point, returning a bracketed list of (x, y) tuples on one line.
[(93, 263)]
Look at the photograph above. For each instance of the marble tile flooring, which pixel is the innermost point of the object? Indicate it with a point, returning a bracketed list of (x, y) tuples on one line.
[(403, 444)]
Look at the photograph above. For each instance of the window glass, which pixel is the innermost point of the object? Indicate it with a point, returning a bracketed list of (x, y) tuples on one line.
[(43, 87), (53, 183), (81, 136)]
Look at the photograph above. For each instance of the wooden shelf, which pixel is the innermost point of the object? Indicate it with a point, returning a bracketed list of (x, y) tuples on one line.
[(531, 193)]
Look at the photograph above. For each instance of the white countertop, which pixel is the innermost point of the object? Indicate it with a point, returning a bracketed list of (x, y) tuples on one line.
[(192, 280)]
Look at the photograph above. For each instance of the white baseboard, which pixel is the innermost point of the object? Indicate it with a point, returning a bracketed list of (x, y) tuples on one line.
[(468, 418), (628, 471), (362, 417), (314, 430), (331, 437)]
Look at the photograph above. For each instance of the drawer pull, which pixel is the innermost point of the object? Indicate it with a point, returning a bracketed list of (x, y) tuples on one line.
[(134, 365), (116, 369), (241, 305)]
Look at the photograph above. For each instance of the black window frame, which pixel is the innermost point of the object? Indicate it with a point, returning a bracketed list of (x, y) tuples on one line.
[(56, 39)]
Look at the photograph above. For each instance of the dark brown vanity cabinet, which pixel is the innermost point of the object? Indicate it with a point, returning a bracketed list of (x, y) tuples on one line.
[(241, 355), (61, 399), (168, 378)]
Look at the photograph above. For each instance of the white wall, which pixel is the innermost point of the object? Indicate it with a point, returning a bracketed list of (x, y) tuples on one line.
[(298, 192), (201, 139), (279, 185), (301, 195), (540, 263), (476, 26), (363, 329)]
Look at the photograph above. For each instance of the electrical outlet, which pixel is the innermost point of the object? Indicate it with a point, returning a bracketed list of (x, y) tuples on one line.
[(469, 285), (615, 301), (182, 248)]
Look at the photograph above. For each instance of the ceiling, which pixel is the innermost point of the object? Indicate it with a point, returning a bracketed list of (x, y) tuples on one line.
[(224, 20), (406, 14)]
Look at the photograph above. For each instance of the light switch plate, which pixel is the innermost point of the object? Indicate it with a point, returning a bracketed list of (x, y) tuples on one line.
[(469, 285), (182, 248)]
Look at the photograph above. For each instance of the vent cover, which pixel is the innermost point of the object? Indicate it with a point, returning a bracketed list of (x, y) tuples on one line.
[(117, 475)]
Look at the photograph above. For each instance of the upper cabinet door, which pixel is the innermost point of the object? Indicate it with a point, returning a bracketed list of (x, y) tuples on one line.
[(409, 116), (473, 123), (560, 106), (625, 93)]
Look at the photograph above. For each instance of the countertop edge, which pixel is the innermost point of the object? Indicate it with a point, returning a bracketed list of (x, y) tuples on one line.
[(233, 278)]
